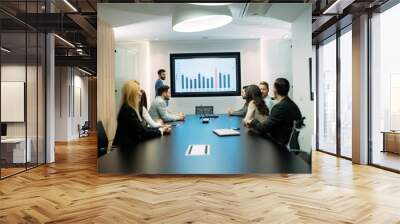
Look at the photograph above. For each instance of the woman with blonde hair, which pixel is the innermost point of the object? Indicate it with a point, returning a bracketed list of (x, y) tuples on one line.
[(131, 128)]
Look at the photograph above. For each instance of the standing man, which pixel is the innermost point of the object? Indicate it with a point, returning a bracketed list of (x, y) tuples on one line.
[(161, 80), (264, 87)]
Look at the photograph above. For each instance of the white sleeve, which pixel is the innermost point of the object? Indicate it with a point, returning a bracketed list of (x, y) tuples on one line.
[(250, 112), (146, 116)]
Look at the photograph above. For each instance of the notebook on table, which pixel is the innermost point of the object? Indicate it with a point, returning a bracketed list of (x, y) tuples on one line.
[(226, 132)]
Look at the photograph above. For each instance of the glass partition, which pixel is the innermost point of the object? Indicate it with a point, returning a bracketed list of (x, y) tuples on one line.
[(327, 96), (385, 89)]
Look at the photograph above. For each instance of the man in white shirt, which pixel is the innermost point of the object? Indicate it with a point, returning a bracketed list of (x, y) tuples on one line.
[(264, 87)]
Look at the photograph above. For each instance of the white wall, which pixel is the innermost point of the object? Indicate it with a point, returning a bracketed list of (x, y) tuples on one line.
[(250, 69), (276, 60), (69, 81), (301, 52)]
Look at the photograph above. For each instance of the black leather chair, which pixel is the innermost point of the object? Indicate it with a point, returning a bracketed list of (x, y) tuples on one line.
[(102, 140)]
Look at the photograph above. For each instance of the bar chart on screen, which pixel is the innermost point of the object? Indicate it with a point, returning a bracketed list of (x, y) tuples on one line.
[(205, 75)]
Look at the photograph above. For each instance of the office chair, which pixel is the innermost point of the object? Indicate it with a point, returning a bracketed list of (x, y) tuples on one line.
[(293, 144), (102, 140), (202, 110), (84, 129)]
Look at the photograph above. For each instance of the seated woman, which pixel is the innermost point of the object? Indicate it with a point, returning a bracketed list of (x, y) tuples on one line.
[(257, 109), (131, 128)]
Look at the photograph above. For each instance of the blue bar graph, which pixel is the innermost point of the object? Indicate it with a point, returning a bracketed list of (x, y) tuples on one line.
[(220, 80), (200, 82), (224, 81), (198, 76)]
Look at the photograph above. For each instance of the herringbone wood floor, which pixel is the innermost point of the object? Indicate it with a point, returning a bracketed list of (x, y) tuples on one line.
[(71, 191)]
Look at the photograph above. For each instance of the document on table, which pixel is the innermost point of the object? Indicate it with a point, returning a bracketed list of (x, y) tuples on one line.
[(198, 150)]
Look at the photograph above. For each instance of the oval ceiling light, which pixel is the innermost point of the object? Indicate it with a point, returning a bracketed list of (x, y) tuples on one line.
[(195, 18)]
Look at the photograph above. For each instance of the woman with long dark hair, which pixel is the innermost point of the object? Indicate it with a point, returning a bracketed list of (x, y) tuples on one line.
[(257, 109)]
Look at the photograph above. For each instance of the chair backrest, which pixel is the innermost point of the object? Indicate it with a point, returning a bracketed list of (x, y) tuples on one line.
[(102, 140), (293, 144), (200, 110)]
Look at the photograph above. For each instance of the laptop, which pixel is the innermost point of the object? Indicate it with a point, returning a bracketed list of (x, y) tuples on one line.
[(226, 132)]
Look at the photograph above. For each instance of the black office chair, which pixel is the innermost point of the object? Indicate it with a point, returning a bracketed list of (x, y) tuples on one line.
[(293, 144), (202, 110), (102, 140), (84, 129)]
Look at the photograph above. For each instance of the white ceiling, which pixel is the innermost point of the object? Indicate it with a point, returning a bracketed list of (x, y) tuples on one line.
[(151, 21)]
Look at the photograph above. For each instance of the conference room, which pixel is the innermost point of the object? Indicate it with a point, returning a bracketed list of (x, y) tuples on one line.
[(197, 65)]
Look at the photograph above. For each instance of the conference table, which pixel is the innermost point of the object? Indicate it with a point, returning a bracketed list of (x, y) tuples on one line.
[(248, 153)]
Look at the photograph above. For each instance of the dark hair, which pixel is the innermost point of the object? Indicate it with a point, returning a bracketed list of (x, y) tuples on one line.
[(282, 86), (264, 84), (143, 100), (253, 92), (162, 89), (160, 71)]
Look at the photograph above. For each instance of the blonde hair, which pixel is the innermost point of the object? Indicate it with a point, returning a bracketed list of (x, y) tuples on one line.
[(129, 94)]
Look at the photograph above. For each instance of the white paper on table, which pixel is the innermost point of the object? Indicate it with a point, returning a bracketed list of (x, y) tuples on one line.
[(198, 150)]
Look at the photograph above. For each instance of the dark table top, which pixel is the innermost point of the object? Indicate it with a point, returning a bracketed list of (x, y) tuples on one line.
[(247, 153)]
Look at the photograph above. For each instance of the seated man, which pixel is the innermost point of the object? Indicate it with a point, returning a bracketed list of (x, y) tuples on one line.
[(158, 109), (242, 111), (264, 87), (280, 122)]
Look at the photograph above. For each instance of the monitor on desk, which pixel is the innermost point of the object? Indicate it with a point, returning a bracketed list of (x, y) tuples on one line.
[(3, 130)]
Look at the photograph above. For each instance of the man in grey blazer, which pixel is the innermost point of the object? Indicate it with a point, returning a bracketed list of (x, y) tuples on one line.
[(158, 109)]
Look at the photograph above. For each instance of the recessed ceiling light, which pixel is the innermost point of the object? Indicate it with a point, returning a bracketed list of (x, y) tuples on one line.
[(70, 5), (210, 4), (195, 19), (64, 40), (5, 50)]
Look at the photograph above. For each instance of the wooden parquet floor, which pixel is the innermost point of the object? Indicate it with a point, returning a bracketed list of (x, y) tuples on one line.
[(71, 191)]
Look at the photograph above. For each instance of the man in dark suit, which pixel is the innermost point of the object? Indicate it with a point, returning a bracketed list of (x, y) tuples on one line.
[(280, 122)]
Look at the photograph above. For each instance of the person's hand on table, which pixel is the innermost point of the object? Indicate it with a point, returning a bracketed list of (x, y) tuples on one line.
[(166, 130), (230, 111), (247, 123), (166, 125), (181, 116)]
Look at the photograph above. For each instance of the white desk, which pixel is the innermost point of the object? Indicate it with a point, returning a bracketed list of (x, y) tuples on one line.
[(18, 149)]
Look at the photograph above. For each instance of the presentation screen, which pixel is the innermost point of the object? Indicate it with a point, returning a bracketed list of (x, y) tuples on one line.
[(205, 74)]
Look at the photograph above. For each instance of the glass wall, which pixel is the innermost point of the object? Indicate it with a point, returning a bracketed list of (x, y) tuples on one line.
[(22, 77), (327, 96), (346, 93), (334, 100), (385, 89)]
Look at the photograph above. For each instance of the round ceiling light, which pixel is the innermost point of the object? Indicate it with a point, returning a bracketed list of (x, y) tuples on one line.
[(195, 19)]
